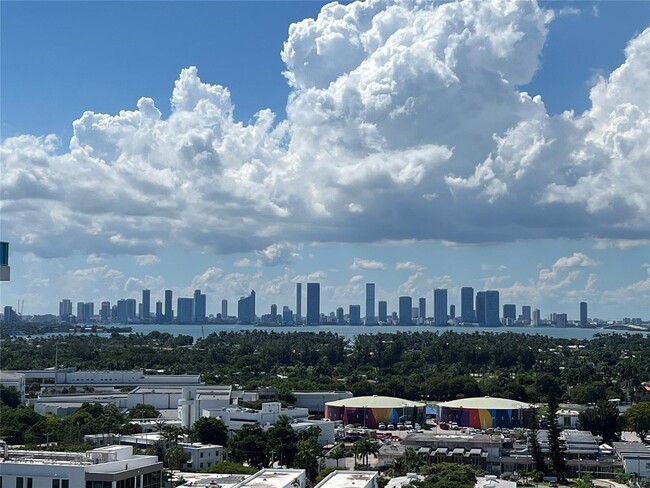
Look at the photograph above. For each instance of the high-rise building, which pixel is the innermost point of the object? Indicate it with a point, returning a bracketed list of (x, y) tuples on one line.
[(298, 303), (355, 315), (526, 316), (5, 269), (492, 308), (370, 304), (81, 317), (382, 306), (10, 315), (146, 305), (89, 310), (159, 312), (198, 314), (467, 305), (584, 320), (340, 316), (274, 313), (440, 306), (122, 311), (452, 311), (169, 313), (131, 306), (405, 311), (224, 308), (480, 308), (105, 312), (536, 319), (422, 308), (509, 313), (184, 310), (246, 309), (561, 320), (287, 316), (65, 310), (313, 303)]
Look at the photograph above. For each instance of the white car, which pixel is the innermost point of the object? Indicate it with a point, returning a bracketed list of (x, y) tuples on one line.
[(382, 426)]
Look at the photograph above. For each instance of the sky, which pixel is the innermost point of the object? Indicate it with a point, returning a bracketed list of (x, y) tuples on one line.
[(231, 146)]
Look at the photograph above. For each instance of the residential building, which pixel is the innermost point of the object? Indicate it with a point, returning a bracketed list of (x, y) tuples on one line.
[(224, 308), (422, 308), (355, 315), (526, 316), (340, 316), (382, 306), (509, 313), (146, 305), (370, 304), (440, 306), (536, 319), (313, 303), (184, 310), (405, 311), (199, 311), (467, 304), (298, 303), (246, 309), (584, 320), (169, 313)]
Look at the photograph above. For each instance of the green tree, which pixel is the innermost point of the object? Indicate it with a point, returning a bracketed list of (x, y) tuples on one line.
[(144, 411), (210, 430), (9, 396), (339, 452), (174, 458), (535, 449), (447, 475), (363, 448), (282, 441), (603, 419), (307, 455), (558, 463), (637, 419), (409, 462), (229, 467), (249, 445)]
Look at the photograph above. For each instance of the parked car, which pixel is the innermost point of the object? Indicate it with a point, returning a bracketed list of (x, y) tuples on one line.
[(382, 426)]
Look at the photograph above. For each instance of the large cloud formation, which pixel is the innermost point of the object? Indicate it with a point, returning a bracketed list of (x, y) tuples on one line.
[(404, 121)]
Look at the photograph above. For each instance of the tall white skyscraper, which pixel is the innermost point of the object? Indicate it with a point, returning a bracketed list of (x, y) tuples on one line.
[(370, 304)]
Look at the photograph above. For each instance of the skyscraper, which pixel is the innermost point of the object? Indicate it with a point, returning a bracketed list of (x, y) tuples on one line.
[(131, 307), (169, 313), (370, 304), (405, 311), (452, 311), (105, 312), (298, 303), (422, 302), (65, 309), (122, 311), (313, 303), (340, 316), (274, 313), (355, 314), (198, 314), (184, 310), (246, 309), (584, 320), (224, 308), (526, 314), (159, 312), (383, 311), (467, 304), (440, 306), (536, 318), (509, 313), (480, 308), (492, 308), (146, 304)]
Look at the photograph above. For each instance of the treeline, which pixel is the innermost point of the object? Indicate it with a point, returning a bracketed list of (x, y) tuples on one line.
[(409, 365)]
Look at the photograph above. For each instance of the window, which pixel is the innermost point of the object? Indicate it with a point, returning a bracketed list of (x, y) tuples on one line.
[(201, 454), (65, 484), (56, 484), (30, 482), (19, 482)]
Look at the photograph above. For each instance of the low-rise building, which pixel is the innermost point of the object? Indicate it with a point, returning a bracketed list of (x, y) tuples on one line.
[(314, 401), (99, 468), (635, 457), (349, 479)]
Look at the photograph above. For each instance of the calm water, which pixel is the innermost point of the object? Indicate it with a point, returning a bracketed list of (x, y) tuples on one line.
[(351, 331)]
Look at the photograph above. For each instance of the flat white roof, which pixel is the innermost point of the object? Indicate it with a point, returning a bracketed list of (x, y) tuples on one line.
[(486, 403), (272, 478), (204, 479), (347, 479)]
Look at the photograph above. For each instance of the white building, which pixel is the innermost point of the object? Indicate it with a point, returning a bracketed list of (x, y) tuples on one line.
[(568, 419), (275, 478), (350, 479), (201, 456), (491, 481), (635, 457), (10, 379), (100, 468)]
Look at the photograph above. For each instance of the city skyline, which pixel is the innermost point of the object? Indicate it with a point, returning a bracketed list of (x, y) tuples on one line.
[(228, 156)]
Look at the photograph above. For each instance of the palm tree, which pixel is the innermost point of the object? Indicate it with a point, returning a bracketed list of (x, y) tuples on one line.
[(339, 452), (364, 448)]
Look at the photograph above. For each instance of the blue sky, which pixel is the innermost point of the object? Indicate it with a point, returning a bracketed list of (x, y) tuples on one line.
[(373, 158)]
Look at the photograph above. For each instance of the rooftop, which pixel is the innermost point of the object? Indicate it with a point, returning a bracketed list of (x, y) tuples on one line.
[(486, 403), (374, 401), (273, 478), (348, 479), (209, 479)]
